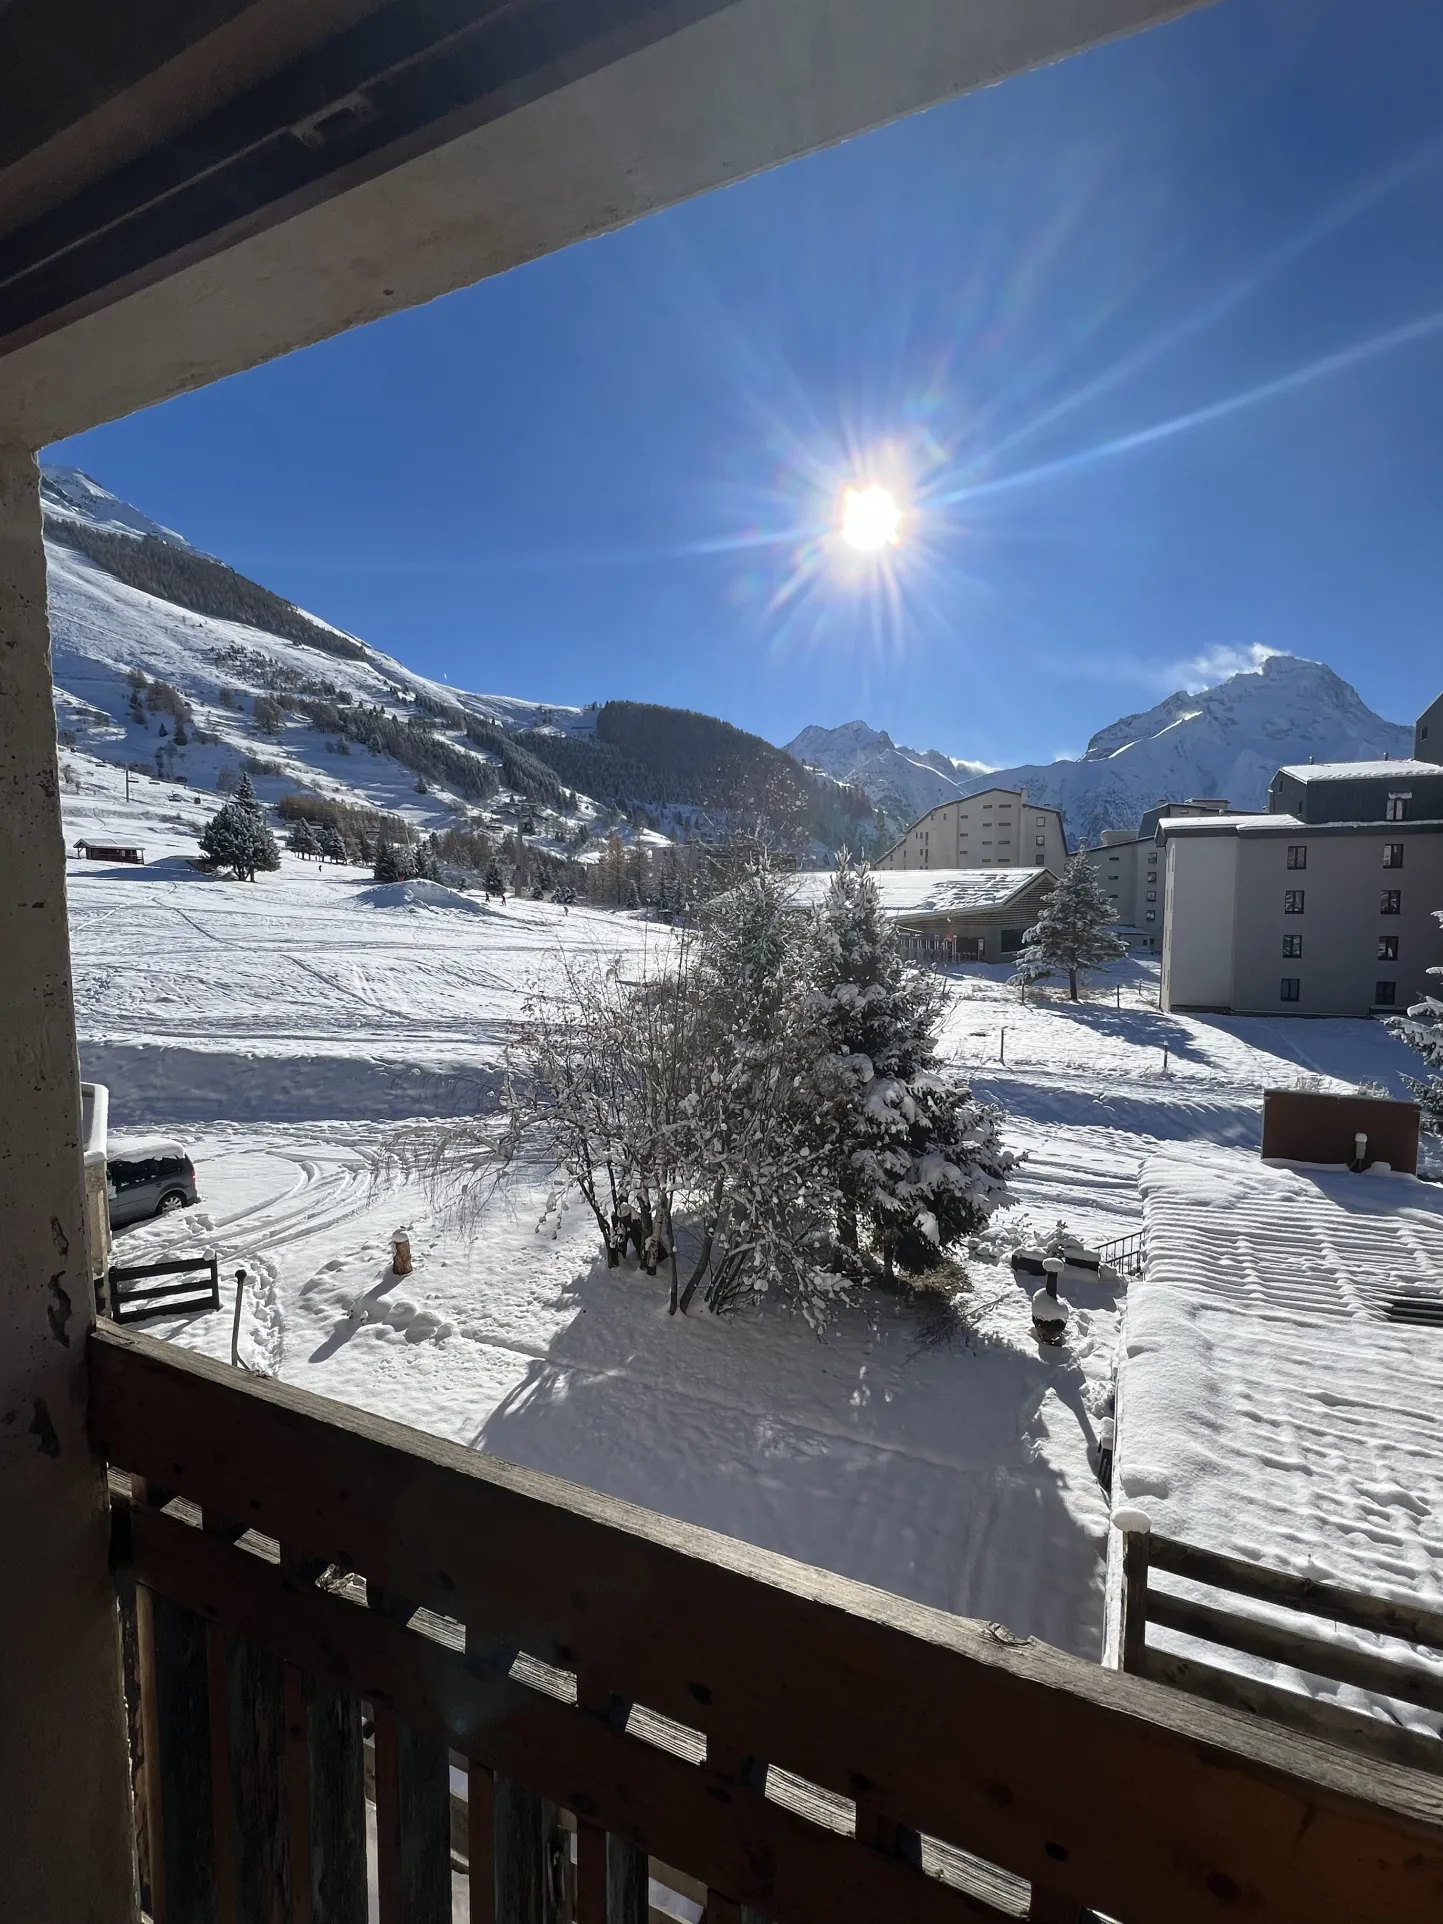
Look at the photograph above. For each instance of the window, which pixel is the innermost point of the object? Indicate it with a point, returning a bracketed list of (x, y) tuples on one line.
[(1387, 948), (1041, 821), (1297, 855), (1392, 855), (1152, 915), (1291, 990), (1292, 945), (1392, 902), (1398, 808), (1385, 994), (1152, 895), (1042, 841), (1292, 901), (1012, 940)]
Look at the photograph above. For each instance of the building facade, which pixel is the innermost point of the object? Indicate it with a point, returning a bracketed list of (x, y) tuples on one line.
[(997, 828), (1325, 909), (1131, 869)]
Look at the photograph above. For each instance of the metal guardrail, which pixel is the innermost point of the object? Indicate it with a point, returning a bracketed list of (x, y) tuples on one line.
[(1126, 1254)]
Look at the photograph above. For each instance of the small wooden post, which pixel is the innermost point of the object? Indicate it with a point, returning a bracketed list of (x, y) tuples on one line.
[(1133, 1644), (401, 1253)]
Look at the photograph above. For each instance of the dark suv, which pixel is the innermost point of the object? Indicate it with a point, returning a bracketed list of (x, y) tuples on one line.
[(148, 1179)]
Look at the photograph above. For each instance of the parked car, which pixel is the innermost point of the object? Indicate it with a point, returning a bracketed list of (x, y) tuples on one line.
[(148, 1179)]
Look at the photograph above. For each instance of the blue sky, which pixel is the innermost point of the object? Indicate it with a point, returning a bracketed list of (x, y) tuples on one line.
[(1150, 345)]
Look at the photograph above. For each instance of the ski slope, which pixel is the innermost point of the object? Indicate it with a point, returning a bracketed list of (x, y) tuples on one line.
[(287, 1028)]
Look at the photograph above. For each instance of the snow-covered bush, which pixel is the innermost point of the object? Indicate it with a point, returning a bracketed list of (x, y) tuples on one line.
[(1073, 932), (1422, 1029)]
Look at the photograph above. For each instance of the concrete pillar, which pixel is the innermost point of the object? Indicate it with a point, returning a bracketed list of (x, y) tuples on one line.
[(64, 1799)]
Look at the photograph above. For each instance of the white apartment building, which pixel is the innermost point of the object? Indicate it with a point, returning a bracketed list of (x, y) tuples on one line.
[(998, 827), (1322, 906), (1130, 867)]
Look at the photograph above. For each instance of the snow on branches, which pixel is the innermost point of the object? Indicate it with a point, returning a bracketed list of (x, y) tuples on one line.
[(1422, 1029), (762, 1097), (1073, 932)]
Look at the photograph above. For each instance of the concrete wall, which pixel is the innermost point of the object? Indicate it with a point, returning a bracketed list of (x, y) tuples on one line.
[(995, 828), (1197, 952), (1134, 873), (64, 1791), (1340, 926)]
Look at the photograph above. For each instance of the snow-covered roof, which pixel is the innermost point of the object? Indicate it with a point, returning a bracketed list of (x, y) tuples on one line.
[(1359, 771), (929, 891), (1269, 1408), (1222, 824)]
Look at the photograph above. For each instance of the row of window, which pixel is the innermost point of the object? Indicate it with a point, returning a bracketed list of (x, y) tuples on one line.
[(1392, 854), (1390, 902), (1385, 994), (1387, 947)]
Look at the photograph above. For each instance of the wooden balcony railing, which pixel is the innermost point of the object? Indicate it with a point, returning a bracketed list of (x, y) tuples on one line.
[(809, 1750)]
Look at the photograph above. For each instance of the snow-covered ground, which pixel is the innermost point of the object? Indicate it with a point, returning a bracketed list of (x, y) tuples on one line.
[(286, 1028), (1271, 1409)]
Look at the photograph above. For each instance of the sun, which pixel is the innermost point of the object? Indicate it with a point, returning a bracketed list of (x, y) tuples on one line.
[(871, 519)]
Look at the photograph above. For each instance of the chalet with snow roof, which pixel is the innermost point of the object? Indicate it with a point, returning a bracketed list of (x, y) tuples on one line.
[(952, 914)]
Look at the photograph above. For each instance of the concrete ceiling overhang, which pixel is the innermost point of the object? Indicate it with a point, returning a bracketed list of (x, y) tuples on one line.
[(191, 187)]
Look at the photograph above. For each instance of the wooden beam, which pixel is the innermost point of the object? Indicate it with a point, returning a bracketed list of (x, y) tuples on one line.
[(1280, 1644), (1332, 1723), (1413, 1622), (1030, 1759), (797, 1872)]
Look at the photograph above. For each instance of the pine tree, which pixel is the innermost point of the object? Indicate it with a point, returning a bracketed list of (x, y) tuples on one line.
[(493, 881), (302, 840), (245, 793), (1422, 1029), (916, 1159), (1073, 933), (236, 838), (633, 894), (333, 847), (388, 866)]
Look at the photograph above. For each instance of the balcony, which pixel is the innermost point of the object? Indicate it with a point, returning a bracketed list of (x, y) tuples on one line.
[(302, 1582)]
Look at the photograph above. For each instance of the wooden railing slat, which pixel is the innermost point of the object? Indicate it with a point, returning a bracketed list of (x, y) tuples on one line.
[(1330, 1722), (183, 1750), (1413, 1622), (337, 1804), (258, 1781), (969, 1734), (1293, 1647), (732, 1836)]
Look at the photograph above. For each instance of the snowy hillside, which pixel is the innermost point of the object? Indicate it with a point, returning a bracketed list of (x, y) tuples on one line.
[(1227, 741), (131, 601), (904, 782)]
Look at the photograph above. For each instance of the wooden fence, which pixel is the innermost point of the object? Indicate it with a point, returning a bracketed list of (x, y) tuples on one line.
[(1286, 1642), (162, 1299), (810, 1750)]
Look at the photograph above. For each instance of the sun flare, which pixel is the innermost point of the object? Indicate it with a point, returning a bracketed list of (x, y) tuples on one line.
[(871, 519)]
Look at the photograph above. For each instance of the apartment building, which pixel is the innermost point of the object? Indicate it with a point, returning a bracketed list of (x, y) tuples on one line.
[(998, 827), (1130, 867), (949, 915), (1322, 906)]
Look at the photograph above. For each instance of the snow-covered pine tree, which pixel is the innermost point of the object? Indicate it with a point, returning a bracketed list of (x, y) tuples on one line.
[(301, 840), (1422, 1029), (1073, 932), (388, 866), (245, 793), (333, 847), (236, 838), (493, 881), (917, 1161)]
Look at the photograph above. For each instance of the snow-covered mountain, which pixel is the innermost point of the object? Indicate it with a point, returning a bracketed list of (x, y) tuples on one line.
[(904, 782), (255, 682), (1226, 741)]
